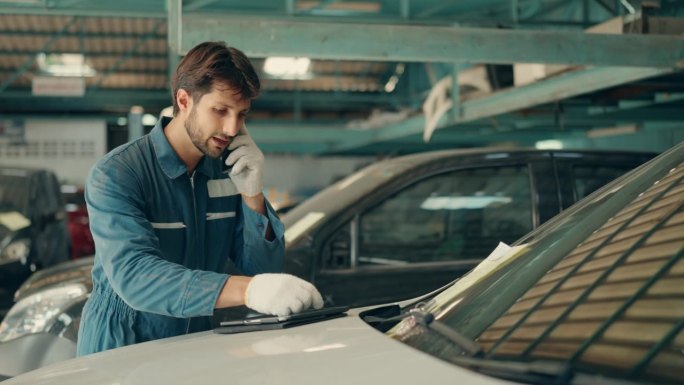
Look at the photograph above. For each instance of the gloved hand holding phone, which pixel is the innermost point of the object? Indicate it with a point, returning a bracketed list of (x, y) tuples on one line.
[(281, 294), (247, 163)]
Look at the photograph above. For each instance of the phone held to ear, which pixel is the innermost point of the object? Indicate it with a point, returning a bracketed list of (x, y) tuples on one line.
[(224, 156)]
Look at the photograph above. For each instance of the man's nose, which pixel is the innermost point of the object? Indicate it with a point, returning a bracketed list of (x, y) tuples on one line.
[(231, 127)]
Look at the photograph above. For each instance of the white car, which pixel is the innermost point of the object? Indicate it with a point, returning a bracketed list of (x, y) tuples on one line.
[(596, 295)]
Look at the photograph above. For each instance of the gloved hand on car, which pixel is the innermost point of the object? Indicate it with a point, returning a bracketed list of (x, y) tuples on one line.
[(247, 163), (281, 294)]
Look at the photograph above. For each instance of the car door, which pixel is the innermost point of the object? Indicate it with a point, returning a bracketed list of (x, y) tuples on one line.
[(432, 226)]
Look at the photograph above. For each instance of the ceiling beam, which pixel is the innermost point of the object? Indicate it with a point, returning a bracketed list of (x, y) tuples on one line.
[(335, 140), (101, 101), (553, 89), (259, 37), (518, 98), (90, 35), (108, 10), (108, 99)]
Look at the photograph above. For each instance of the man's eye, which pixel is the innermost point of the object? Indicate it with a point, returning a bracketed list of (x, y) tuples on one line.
[(219, 111)]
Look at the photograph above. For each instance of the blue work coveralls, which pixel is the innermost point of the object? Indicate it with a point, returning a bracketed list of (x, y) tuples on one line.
[(162, 243)]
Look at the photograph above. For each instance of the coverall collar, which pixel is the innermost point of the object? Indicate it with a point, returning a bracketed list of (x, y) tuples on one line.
[(170, 162)]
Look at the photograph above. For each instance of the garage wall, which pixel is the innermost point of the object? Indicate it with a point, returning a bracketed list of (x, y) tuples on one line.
[(68, 147)]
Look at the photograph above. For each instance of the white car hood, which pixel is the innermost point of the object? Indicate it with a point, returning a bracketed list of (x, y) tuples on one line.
[(343, 350)]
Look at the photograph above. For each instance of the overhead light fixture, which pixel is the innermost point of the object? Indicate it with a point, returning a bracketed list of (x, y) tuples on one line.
[(64, 64), (287, 67), (392, 82), (551, 144)]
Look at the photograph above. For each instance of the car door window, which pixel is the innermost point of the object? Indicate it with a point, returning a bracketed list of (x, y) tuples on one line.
[(588, 179), (453, 216)]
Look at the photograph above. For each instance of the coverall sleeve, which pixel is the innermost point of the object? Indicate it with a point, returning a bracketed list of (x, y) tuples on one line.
[(253, 254), (128, 250)]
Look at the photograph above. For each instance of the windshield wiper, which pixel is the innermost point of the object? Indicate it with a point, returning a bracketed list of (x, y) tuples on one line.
[(428, 321), (532, 372)]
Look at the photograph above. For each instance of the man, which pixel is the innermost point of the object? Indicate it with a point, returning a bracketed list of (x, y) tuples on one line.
[(165, 217)]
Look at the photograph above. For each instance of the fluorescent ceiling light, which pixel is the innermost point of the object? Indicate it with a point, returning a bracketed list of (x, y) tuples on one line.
[(392, 82), (287, 67), (64, 64), (549, 145)]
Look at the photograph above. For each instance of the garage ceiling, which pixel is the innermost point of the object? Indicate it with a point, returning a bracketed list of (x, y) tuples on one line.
[(374, 64)]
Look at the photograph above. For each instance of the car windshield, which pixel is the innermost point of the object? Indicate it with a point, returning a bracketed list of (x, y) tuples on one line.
[(597, 290), (14, 192)]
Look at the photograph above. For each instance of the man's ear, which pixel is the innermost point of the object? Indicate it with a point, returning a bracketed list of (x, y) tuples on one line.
[(184, 100)]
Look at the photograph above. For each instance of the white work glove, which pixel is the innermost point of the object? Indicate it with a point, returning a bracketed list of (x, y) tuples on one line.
[(281, 294), (247, 164)]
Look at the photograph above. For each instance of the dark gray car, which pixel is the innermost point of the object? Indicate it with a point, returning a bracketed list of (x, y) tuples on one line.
[(406, 226)]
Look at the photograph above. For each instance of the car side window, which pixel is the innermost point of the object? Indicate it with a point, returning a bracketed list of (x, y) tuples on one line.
[(452, 216), (588, 179)]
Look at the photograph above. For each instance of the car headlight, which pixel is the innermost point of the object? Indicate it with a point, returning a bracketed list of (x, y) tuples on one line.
[(37, 312), (17, 250)]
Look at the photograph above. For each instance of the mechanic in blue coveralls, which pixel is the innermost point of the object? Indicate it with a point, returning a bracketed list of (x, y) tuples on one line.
[(165, 217)]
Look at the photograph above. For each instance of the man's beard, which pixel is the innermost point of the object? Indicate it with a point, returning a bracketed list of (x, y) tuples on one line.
[(195, 135)]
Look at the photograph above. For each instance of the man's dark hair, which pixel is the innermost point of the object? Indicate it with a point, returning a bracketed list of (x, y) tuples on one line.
[(214, 62)]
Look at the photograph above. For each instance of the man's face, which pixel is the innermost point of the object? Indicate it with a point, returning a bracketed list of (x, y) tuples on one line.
[(215, 119)]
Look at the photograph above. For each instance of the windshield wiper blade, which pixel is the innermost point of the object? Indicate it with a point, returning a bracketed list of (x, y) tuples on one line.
[(428, 321), (543, 372)]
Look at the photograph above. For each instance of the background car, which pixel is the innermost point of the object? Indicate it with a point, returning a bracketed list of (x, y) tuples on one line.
[(408, 225), (33, 230), (391, 231), (594, 296), (82, 243)]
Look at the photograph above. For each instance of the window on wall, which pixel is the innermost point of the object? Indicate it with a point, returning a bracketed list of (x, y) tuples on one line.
[(87, 148), (50, 149), (14, 151), (32, 149), (453, 216), (69, 149)]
